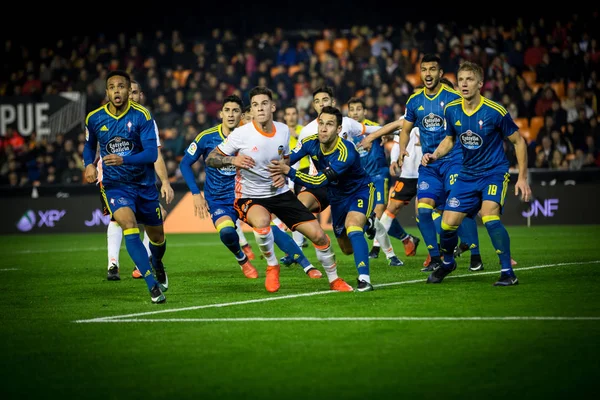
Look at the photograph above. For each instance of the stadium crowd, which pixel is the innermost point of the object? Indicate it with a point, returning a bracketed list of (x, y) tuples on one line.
[(545, 73)]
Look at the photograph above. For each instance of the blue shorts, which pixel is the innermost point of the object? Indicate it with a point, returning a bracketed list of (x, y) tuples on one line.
[(363, 201), (143, 200), (381, 183), (218, 209), (436, 180), (469, 192)]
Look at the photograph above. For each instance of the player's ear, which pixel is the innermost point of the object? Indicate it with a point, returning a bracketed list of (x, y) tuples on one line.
[(273, 107)]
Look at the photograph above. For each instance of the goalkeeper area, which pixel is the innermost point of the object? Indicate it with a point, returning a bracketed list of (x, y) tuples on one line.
[(67, 332)]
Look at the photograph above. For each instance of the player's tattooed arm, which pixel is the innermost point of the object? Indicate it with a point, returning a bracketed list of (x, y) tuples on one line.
[(216, 159)]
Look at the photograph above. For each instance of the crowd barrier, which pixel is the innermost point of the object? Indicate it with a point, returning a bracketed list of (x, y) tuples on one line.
[(559, 198)]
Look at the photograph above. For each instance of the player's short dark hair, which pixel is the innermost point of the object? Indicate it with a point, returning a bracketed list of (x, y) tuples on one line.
[(333, 111), (232, 98), (354, 100), (431, 58), (119, 72), (447, 82), (290, 106), (246, 109), (324, 89), (255, 91)]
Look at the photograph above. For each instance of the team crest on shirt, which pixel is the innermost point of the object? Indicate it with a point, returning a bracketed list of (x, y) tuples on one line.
[(423, 185), (123, 201), (433, 121), (470, 140), (120, 146), (192, 148), (453, 202), (280, 151)]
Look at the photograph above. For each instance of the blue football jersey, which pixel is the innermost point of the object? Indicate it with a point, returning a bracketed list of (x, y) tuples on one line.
[(374, 160), (481, 135), (220, 182), (123, 135), (427, 114), (343, 160)]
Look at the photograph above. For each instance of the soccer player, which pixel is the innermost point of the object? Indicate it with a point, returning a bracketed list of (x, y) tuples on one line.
[(350, 189), (114, 233), (250, 149), (290, 115), (425, 110), (126, 135), (219, 186), (479, 125), (315, 197), (375, 163)]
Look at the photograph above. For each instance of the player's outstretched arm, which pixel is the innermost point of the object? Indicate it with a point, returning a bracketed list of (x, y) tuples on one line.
[(216, 159), (443, 148)]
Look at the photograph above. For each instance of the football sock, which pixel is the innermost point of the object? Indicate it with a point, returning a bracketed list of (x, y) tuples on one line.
[(360, 247), (264, 239), (229, 237), (288, 246), (448, 241), (114, 237), (500, 241), (427, 228), (138, 254)]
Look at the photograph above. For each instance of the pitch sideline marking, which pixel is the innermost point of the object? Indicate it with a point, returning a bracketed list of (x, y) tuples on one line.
[(131, 317)]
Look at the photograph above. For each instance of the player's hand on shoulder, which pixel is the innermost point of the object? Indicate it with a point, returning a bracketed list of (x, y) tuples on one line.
[(278, 167)]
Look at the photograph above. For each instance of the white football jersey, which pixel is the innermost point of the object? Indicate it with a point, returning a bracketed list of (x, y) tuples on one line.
[(411, 163), (263, 147)]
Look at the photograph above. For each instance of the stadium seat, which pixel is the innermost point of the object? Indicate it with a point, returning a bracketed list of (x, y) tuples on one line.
[(359, 93), (413, 79), (535, 124), (522, 123), (293, 69), (340, 45), (353, 44), (275, 70), (559, 89), (525, 134), (414, 56), (530, 77)]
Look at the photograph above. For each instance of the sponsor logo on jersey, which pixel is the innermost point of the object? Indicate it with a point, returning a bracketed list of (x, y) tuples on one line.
[(433, 121), (120, 146), (470, 140), (453, 202), (192, 148)]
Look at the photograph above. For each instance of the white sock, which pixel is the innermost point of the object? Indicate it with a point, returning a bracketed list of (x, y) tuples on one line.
[(327, 258), (386, 220), (279, 223), (298, 238), (363, 277), (384, 239), (146, 242), (114, 236), (240, 233), (265, 242)]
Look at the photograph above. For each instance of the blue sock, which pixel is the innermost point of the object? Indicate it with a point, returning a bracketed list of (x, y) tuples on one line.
[(286, 244), (427, 228), (361, 249), (437, 221), (500, 241), (396, 230), (467, 232), (138, 254), (448, 241), (158, 250), (229, 236)]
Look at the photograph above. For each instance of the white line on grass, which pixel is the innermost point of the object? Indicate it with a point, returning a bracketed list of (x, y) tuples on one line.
[(86, 249), (9, 269), (130, 317), (261, 319)]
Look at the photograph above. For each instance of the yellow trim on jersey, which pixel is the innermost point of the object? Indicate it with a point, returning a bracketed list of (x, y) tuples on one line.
[(448, 88), (225, 224), (312, 179), (92, 113), (311, 137), (419, 91), (495, 106), (326, 153), (368, 122), (453, 103), (142, 109), (158, 244), (207, 131), (468, 114), (446, 227)]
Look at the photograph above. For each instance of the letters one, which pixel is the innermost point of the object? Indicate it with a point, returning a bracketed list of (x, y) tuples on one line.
[(546, 209)]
